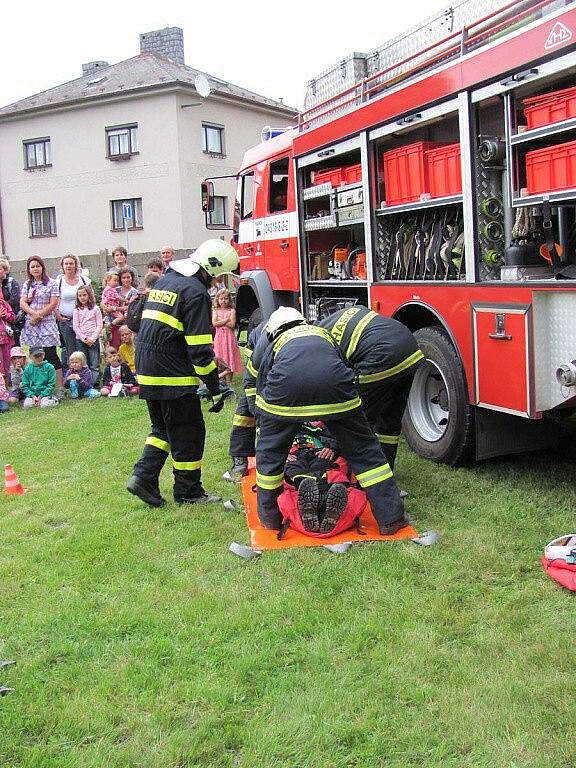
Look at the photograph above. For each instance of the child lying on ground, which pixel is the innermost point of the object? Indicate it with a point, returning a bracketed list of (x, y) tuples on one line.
[(320, 476), (79, 379)]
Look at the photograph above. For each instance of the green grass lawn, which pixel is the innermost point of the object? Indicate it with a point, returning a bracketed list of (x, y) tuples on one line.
[(140, 641)]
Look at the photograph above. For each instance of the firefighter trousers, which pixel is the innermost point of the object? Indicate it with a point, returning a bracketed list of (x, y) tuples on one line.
[(243, 434), (177, 428), (384, 403), (357, 444)]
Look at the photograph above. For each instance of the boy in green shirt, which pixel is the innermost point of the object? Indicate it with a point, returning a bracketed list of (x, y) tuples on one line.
[(38, 381)]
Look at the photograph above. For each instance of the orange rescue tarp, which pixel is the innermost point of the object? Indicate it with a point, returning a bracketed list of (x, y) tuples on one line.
[(261, 538)]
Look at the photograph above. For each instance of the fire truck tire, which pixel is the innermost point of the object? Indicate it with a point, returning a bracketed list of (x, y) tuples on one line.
[(438, 420)]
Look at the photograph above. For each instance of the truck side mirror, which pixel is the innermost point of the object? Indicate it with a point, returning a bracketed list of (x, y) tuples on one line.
[(207, 188)]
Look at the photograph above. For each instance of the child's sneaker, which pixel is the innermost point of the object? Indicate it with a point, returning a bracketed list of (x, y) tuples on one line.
[(308, 500), (336, 500)]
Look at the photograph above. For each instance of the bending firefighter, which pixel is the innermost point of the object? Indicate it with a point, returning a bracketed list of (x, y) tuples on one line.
[(173, 352), (384, 355), (302, 376)]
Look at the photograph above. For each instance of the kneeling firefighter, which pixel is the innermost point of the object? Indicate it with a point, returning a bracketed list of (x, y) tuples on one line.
[(173, 349), (384, 355), (302, 376)]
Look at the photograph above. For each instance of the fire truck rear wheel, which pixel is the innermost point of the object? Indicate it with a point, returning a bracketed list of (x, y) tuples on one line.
[(438, 418)]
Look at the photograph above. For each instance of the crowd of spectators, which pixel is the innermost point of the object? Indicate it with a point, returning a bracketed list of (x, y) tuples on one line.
[(78, 343)]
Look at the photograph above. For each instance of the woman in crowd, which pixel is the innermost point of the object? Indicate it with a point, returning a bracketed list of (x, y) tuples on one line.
[(68, 283), (120, 256), (10, 291), (39, 299)]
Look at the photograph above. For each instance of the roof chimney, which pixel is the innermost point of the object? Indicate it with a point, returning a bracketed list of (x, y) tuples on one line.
[(93, 66), (167, 42)]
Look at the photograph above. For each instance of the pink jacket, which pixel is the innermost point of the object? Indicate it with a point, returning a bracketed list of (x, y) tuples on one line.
[(87, 323), (3, 390)]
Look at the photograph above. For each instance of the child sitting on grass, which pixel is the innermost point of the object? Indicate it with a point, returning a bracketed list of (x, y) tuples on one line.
[(38, 381), (4, 396), (126, 350), (18, 363), (117, 372), (79, 379)]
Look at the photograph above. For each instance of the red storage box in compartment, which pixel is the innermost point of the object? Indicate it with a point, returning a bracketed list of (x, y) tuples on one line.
[(551, 168), (444, 170), (349, 174), (550, 107), (406, 172)]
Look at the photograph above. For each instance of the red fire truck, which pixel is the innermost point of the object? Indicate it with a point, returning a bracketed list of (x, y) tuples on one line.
[(440, 191)]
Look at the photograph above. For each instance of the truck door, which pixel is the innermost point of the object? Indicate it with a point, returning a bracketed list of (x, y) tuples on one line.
[(280, 233)]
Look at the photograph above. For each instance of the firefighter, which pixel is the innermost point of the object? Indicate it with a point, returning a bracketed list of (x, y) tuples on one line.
[(173, 349), (302, 376), (384, 355), (243, 434)]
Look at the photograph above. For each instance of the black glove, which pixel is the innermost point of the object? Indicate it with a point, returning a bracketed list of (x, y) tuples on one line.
[(217, 405)]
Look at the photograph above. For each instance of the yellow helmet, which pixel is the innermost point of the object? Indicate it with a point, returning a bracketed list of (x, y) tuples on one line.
[(215, 256)]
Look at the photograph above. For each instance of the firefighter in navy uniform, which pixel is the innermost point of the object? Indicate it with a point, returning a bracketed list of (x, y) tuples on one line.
[(173, 349), (243, 433), (302, 376), (384, 355)]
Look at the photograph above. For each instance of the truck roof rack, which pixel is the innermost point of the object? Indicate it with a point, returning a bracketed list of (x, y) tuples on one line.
[(403, 62)]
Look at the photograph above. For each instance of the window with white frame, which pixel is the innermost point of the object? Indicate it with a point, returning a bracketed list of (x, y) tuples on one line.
[(218, 215), (37, 153), (42, 222), (213, 138), (127, 213), (122, 140)]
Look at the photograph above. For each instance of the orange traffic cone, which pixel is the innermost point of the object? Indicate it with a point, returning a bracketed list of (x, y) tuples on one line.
[(12, 486)]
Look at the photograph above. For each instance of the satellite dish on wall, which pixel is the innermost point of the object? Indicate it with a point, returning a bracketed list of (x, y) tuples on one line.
[(202, 85)]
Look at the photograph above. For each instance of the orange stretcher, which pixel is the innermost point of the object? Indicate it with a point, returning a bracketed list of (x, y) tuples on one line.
[(262, 538)]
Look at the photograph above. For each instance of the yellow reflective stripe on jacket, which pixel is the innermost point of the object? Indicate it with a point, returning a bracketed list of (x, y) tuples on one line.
[(247, 351), (199, 340), (269, 482), (250, 391), (388, 439), (368, 378), (187, 465), (243, 421), (321, 409), (168, 381), (250, 368), (357, 332), (300, 331), (373, 476), (204, 370), (163, 317), (157, 443)]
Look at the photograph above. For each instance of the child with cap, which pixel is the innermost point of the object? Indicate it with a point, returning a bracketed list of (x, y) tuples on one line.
[(18, 362), (38, 381)]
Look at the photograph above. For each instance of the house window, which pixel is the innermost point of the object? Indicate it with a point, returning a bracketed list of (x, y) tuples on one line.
[(218, 215), (37, 153), (213, 139), (122, 141), (42, 222), (130, 210)]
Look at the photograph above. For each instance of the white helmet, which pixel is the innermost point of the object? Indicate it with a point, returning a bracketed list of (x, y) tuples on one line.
[(281, 317), (215, 256)]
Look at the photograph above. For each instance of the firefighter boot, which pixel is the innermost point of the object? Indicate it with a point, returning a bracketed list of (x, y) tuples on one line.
[(308, 500), (148, 492), (336, 500), (205, 498), (391, 528)]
